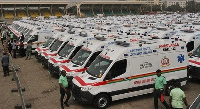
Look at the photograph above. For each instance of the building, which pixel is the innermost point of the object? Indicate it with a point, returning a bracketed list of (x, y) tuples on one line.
[(181, 3)]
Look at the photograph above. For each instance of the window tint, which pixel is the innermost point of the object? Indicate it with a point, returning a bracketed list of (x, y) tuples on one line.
[(190, 46), (92, 58), (75, 51), (117, 69)]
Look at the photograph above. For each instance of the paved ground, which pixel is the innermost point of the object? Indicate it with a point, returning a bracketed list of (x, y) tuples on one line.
[(42, 90)]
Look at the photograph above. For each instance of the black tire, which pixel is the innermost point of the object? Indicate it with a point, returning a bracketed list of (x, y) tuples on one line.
[(101, 101)]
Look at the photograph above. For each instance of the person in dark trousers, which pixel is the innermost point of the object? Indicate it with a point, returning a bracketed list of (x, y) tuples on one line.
[(177, 97), (2, 36), (21, 38), (64, 89), (14, 48), (159, 89), (21, 49), (10, 47), (28, 51), (5, 64)]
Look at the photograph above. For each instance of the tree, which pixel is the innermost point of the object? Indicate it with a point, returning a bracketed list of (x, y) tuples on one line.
[(174, 8), (156, 8), (190, 6)]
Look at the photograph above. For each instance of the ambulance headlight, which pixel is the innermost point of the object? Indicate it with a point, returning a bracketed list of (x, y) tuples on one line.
[(55, 64), (86, 88), (70, 73)]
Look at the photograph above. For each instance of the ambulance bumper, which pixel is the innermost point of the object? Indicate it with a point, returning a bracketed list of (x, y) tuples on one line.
[(194, 72), (44, 62), (37, 56), (82, 96), (53, 69)]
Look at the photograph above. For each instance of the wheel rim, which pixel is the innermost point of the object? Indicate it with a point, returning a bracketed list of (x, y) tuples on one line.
[(102, 102)]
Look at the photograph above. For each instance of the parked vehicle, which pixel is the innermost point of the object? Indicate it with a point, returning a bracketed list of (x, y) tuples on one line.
[(126, 70)]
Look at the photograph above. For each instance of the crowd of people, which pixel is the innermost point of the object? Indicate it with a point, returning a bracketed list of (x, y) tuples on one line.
[(11, 46)]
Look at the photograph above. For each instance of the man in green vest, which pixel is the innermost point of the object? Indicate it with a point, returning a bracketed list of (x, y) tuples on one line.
[(159, 89), (63, 83)]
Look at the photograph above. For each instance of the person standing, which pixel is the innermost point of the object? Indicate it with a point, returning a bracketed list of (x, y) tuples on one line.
[(177, 97), (2, 36), (28, 51), (159, 89), (21, 38), (21, 49), (10, 47), (63, 83), (11, 36), (5, 64), (14, 47)]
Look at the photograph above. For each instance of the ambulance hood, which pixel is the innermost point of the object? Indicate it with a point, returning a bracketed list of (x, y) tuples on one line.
[(49, 53), (72, 69), (58, 59), (84, 80)]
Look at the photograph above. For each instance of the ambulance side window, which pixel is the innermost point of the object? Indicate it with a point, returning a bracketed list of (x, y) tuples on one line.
[(117, 69), (92, 58), (190, 46)]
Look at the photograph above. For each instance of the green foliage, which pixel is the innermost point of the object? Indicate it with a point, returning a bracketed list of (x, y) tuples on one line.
[(174, 8), (156, 8), (193, 7)]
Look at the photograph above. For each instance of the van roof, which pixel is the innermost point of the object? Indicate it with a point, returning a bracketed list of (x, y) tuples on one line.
[(136, 49)]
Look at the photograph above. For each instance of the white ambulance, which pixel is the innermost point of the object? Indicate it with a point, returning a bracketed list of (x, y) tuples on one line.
[(38, 37), (123, 70), (52, 39), (68, 52), (56, 47), (190, 36), (86, 55)]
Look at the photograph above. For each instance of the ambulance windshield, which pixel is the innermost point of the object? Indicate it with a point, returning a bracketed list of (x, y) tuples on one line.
[(99, 66), (197, 52), (80, 57), (66, 50), (26, 39), (56, 45), (48, 42)]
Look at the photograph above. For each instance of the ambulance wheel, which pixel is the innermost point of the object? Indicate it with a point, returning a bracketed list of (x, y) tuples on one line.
[(101, 101)]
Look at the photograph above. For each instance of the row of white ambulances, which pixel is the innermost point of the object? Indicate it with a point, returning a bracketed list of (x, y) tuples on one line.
[(68, 52), (63, 39), (45, 46), (86, 55), (126, 70)]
